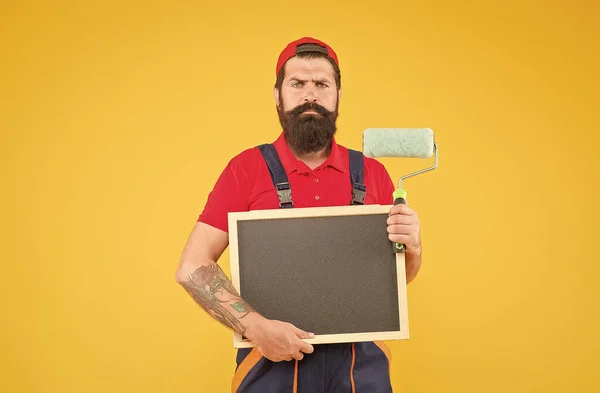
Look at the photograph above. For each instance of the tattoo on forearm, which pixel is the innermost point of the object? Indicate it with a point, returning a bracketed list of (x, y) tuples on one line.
[(241, 307), (208, 286)]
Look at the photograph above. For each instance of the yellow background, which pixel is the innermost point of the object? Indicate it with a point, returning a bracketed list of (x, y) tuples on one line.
[(116, 119)]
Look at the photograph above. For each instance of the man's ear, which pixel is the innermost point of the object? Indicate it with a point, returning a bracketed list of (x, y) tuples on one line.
[(339, 94), (276, 96)]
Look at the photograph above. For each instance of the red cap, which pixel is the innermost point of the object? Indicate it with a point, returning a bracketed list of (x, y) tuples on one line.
[(293, 49)]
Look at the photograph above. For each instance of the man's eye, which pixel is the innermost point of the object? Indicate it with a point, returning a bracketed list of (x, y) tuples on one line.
[(296, 84), (319, 84)]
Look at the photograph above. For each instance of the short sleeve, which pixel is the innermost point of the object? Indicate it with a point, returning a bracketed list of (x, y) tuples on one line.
[(231, 193), (386, 196), (380, 181)]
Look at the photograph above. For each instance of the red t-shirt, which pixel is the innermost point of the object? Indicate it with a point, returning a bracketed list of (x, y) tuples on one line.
[(245, 184)]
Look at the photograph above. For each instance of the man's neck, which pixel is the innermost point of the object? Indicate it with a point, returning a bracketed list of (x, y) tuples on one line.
[(313, 160)]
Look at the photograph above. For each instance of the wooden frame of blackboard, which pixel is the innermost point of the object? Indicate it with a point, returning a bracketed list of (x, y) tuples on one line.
[(322, 212)]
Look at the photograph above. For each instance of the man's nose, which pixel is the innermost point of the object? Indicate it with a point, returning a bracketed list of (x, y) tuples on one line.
[(310, 95)]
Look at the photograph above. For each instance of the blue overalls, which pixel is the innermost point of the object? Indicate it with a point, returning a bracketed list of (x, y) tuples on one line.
[(362, 367)]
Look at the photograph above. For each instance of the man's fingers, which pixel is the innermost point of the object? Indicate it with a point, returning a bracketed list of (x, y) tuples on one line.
[(404, 239), (400, 229), (302, 334), (303, 346), (298, 356), (306, 347), (399, 238), (401, 219), (402, 209)]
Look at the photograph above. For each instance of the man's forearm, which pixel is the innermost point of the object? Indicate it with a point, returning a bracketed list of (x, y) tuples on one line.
[(214, 292), (412, 263)]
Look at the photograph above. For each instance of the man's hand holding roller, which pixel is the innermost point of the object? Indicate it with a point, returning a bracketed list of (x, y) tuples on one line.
[(404, 227)]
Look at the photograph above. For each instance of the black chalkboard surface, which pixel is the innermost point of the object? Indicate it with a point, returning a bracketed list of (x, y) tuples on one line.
[(329, 270)]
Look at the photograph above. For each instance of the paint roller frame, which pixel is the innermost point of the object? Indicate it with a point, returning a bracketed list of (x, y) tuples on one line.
[(399, 194), (435, 165)]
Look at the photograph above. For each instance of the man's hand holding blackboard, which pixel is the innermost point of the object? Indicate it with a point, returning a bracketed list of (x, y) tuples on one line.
[(404, 228), (277, 340)]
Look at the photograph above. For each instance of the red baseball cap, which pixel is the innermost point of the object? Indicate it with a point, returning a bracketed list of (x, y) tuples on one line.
[(295, 47)]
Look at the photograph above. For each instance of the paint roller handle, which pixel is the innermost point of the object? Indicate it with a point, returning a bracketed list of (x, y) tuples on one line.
[(399, 198)]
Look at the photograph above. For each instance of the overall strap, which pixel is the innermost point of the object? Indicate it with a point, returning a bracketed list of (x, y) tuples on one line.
[(357, 173), (278, 175)]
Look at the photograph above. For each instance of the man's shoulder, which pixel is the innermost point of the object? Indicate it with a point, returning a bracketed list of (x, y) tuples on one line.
[(374, 164), (246, 156)]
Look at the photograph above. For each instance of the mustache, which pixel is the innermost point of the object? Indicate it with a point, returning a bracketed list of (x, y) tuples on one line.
[(309, 106)]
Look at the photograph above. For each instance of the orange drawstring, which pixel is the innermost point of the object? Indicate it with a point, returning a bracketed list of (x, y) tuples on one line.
[(352, 370), (295, 390)]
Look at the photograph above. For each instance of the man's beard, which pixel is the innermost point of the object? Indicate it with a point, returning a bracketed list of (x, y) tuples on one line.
[(308, 133)]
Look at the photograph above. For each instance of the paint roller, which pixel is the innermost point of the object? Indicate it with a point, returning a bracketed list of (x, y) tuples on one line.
[(400, 143)]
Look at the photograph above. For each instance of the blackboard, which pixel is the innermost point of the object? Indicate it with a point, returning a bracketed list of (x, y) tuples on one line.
[(328, 270)]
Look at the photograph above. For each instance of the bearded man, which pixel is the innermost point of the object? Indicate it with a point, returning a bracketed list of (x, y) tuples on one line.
[(303, 167)]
